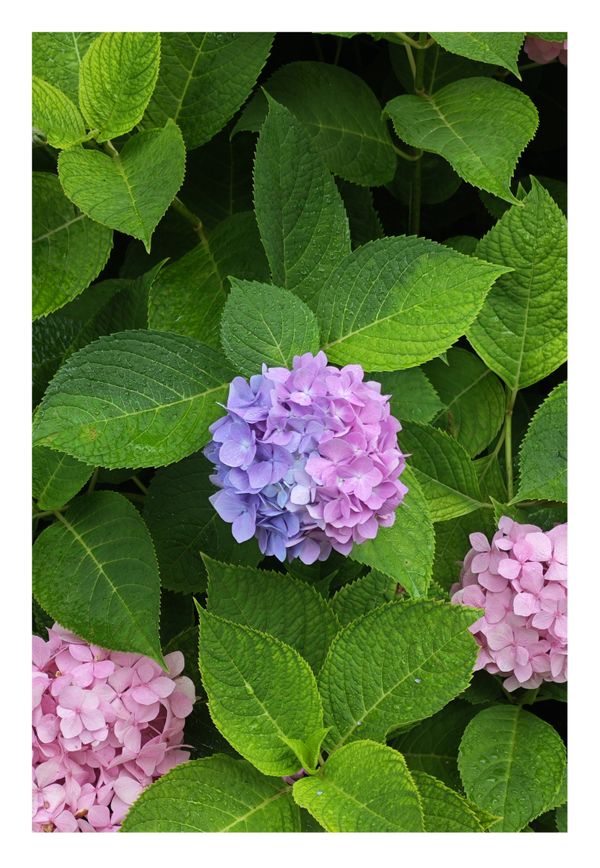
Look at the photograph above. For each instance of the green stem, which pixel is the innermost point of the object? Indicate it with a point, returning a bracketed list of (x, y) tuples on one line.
[(44, 514), (110, 149), (192, 219), (531, 65), (414, 220), (421, 44), (405, 155), (139, 484), (93, 481), (420, 65), (411, 60), (338, 50), (510, 403)]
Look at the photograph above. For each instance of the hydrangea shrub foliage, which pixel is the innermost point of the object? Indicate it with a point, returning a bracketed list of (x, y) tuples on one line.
[(299, 434)]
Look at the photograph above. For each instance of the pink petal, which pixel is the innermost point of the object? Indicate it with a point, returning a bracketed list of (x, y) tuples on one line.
[(162, 686), (479, 542), (509, 568), (127, 789), (143, 694)]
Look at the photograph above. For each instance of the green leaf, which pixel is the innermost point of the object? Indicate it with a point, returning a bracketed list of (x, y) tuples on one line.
[(443, 809), (479, 125), (68, 251), (361, 596), (452, 543), (190, 294), (444, 470), (501, 49), (56, 477), (550, 37), (561, 819), (265, 324), (439, 181), (184, 523), (405, 550), (473, 399), (420, 656), (117, 77), (187, 642), (364, 787), (299, 210), (432, 745), (341, 114), (543, 455), (511, 764), (215, 794), (95, 572), (484, 689), (55, 116), (413, 397), (521, 331), (262, 694), (56, 57), (274, 603), (397, 302), (364, 221), (204, 79), (108, 306), (131, 190), (133, 399), (463, 243)]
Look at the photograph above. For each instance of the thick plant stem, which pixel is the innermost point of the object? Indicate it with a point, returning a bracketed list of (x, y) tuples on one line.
[(415, 200), (192, 219), (93, 480), (406, 156), (420, 65), (510, 403)]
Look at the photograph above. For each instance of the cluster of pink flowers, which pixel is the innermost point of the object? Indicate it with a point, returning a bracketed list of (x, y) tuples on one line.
[(544, 51), (520, 580), (105, 725)]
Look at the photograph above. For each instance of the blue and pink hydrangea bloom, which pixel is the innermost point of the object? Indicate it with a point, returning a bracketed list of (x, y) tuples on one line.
[(307, 459)]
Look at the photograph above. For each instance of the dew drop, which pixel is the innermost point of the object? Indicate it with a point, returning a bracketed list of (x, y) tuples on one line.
[(359, 722), (417, 680), (319, 792)]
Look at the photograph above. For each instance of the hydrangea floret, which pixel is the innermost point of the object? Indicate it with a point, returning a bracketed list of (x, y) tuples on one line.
[(307, 459), (106, 724), (543, 51), (520, 580)]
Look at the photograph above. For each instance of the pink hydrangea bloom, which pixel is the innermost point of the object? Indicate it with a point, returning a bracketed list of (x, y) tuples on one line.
[(542, 51), (520, 580), (105, 725)]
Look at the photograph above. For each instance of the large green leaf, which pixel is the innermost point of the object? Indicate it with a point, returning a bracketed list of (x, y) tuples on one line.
[(364, 787), (215, 794), (443, 809), (443, 468), (543, 455), (117, 77), (184, 523), (364, 594), (512, 765), (299, 210), (69, 250), (420, 656), (56, 477), (56, 57), (55, 116), (521, 331), (472, 397), (133, 399), (266, 324), (405, 550), (452, 543), (413, 397), (95, 572), (189, 296), (479, 125), (274, 603), (130, 190), (204, 79), (501, 49), (341, 114), (262, 695), (432, 746), (397, 302), (105, 307)]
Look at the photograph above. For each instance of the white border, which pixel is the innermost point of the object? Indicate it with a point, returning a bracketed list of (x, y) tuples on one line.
[(267, 849)]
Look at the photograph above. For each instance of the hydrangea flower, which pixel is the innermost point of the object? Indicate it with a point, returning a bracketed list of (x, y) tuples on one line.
[(520, 580), (542, 51), (307, 460), (105, 725)]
